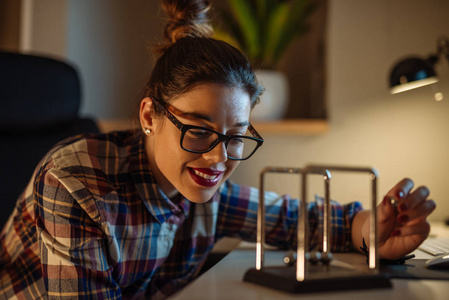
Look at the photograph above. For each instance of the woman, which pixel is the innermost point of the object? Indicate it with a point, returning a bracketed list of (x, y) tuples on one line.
[(132, 215)]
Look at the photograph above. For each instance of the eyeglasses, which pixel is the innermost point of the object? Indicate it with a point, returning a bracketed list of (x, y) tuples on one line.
[(198, 139)]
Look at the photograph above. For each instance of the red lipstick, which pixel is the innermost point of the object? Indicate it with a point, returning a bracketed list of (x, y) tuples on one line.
[(205, 177)]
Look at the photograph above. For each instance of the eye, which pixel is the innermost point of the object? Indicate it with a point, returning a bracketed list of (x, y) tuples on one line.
[(199, 133), (238, 132), (237, 141)]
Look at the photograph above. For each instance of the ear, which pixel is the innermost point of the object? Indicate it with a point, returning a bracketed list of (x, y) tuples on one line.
[(146, 114)]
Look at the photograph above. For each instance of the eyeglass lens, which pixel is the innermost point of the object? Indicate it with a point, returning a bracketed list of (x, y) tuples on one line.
[(200, 140)]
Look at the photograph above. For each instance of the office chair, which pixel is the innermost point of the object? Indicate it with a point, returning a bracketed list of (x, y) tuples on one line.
[(40, 99)]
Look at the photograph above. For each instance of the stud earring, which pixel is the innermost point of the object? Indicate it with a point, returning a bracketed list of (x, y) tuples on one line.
[(147, 130)]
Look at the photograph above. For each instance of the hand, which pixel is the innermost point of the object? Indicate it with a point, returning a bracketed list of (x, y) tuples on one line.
[(403, 228)]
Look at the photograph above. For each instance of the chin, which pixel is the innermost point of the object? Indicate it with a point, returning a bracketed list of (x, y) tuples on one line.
[(200, 196)]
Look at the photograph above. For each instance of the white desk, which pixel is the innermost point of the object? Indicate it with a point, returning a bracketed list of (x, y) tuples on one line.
[(225, 281)]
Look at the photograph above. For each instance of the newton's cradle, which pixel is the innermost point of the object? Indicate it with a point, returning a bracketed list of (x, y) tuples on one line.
[(314, 271)]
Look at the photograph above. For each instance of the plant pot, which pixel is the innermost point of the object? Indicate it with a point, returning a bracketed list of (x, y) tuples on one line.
[(274, 100)]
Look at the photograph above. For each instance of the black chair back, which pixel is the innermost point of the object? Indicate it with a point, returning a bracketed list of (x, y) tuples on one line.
[(40, 100)]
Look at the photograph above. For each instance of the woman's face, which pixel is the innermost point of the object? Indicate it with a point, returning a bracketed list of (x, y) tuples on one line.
[(196, 176)]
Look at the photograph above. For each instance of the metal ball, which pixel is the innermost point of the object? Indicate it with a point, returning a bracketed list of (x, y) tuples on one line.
[(289, 258), (313, 257), (326, 257)]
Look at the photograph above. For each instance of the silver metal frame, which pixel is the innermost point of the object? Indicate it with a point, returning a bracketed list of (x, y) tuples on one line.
[(373, 261), (260, 250), (302, 239)]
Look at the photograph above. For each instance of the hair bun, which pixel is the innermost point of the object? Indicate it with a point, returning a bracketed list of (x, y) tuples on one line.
[(187, 18)]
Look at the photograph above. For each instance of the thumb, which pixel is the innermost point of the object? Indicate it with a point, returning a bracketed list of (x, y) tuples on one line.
[(386, 218)]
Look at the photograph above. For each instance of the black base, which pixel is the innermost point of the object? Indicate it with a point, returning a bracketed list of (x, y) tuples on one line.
[(319, 278)]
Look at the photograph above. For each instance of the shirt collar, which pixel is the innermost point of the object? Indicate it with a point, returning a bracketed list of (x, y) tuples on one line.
[(154, 199)]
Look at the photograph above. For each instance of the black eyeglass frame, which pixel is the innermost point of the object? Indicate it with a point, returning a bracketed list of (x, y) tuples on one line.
[(221, 137)]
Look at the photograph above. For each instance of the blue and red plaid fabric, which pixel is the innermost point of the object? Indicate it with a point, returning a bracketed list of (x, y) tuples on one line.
[(93, 223)]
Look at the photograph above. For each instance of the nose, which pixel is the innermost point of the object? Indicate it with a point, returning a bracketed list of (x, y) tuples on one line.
[(217, 154)]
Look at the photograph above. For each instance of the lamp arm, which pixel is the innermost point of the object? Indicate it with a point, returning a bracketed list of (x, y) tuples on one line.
[(443, 46)]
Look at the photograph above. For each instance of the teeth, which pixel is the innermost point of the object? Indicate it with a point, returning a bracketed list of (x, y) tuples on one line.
[(205, 176)]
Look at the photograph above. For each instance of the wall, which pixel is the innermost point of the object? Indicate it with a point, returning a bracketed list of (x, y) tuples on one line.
[(109, 41), (38, 27), (9, 25), (49, 27), (401, 135)]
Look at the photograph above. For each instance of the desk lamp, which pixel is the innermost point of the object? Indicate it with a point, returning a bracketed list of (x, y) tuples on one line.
[(414, 72)]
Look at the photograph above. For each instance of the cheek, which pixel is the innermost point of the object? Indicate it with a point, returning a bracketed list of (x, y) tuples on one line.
[(171, 158), (231, 165), (168, 152)]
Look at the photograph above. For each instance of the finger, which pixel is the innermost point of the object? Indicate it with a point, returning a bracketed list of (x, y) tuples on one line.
[(414, 199), (421, 229), (404, 240), (419, 212), (386, 212), (396, 194), (399, 191)]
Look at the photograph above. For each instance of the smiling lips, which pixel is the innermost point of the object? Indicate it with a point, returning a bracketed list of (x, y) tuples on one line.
[(205, 177)]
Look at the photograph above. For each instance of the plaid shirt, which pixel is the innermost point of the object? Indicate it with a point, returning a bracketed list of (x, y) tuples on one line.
[(93, 223)]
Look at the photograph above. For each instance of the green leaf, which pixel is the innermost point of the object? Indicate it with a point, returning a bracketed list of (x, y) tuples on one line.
[(285, 42), (300, 11), (234, 30), (276, 23), (241, 9), (294, 26), (265, 28), (261, 8), (228, 38)]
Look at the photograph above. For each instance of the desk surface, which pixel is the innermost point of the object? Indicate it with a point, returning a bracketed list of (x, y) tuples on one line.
[(225, 281)]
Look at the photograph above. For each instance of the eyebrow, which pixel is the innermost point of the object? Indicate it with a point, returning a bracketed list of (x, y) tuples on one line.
[(242, 124), (195, 115)]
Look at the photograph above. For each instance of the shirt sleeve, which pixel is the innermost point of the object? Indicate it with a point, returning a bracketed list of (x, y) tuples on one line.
[(237, 217), (72, 246)]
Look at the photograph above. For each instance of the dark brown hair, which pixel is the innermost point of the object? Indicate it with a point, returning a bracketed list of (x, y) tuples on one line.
[(189, 56)]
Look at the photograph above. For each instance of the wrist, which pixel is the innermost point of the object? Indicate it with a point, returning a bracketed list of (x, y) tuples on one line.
[(400, 261), (360, 228)]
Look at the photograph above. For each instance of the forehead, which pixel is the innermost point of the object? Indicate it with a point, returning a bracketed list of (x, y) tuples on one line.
[(216, 101)]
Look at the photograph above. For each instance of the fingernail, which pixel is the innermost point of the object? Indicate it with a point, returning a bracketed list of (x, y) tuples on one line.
[(396, 232), (402, 219), (433, 204), (403, 207), (400, 194)]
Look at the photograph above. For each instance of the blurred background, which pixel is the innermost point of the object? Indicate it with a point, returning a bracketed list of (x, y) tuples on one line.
[(401, 135)]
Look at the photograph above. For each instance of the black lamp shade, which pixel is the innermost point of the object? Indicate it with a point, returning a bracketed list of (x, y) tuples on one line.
[(411, 73)]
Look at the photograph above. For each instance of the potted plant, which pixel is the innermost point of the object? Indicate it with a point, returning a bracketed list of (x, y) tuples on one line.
[(263, 29)]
